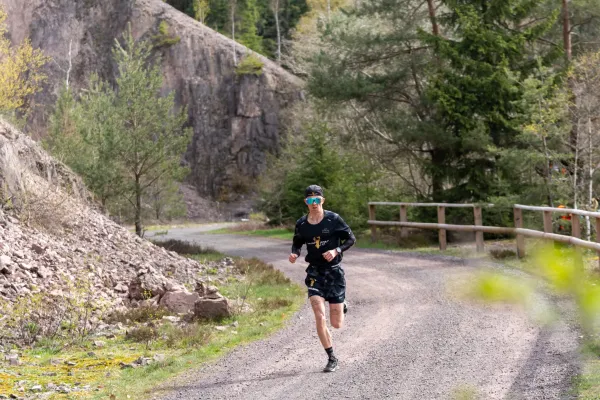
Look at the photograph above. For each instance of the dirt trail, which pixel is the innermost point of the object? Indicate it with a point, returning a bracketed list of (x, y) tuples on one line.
[(405, 337)]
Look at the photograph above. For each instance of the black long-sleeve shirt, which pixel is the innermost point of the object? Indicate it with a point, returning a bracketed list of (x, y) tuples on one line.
[(324, 236)]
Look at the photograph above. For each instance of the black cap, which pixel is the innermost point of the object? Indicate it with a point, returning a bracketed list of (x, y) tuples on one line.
[(313, 190)]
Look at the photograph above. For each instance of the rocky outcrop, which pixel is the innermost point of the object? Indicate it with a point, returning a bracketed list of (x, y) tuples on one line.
[(236, 120), (51, 237)]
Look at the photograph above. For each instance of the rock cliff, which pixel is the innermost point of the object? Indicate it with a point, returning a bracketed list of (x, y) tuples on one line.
[(237, 120)]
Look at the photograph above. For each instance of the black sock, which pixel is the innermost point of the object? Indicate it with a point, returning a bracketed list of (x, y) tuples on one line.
[(329, 352)]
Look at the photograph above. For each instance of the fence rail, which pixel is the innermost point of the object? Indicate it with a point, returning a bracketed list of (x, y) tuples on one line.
[(480, 229)]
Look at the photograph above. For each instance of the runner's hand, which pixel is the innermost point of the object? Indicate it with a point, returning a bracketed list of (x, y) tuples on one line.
[(293, 257), (330, 255)]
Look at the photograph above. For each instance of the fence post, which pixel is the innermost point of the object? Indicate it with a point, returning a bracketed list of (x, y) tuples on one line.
[(598, 238), (575, 226), (478, 234), (442, 232), (403, 218), (518, 217), (576, 232), (372, 218), (547, 221)]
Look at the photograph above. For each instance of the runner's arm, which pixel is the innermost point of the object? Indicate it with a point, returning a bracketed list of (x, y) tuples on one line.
[(345, 234), (297, 242)]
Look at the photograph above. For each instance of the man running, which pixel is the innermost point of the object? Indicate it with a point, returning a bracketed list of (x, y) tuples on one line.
[(323, 232)]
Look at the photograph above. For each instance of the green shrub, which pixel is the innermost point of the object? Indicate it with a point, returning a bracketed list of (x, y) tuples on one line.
[(274, 303), (164, 38), (320, 158), (250, 65), (44, 316), (142, 334), (186, 336), (260, 272)]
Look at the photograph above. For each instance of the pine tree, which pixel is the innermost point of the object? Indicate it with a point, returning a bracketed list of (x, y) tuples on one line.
[(477, 91), (151, 137), (126, 141), (247, 32), (439, 94)]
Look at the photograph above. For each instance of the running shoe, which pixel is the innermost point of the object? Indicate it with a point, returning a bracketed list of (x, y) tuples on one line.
[(331, 365)]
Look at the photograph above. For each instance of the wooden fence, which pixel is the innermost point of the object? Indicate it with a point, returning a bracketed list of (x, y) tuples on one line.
[(480, 229)]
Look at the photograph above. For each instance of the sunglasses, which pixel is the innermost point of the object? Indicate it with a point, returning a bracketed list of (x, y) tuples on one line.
[(313, 200)]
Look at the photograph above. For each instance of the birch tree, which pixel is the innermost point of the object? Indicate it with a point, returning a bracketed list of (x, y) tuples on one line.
[(585, 78), (21, 74), (275, 8)]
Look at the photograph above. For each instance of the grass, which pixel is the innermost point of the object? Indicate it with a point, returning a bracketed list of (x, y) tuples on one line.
[(363, 241), (272, 297), (587, 383), (138, 383), (164, 228)]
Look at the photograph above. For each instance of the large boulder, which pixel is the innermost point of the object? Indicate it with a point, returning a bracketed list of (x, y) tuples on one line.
[(181, 302), (212, 308)]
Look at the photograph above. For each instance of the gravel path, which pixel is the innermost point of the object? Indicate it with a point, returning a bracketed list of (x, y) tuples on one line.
[(405, 337)]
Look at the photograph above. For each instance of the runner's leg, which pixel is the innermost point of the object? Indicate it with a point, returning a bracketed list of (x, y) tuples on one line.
[(336, 315), (318, 306)]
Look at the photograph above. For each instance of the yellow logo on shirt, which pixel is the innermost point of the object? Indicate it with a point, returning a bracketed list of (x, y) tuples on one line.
[(317, 241)]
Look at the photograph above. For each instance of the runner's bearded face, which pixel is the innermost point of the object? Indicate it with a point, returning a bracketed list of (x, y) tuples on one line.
[(315, 203)]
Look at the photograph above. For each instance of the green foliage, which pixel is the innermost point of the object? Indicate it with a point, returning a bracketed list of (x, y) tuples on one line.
[(126, 141), (255, 21), (165, 200), (539, 160), (201, 10), (249, 65), (48, 316), (318, 158), (187, 336), (261, 273), (445, 112), (142, 334), (478, 91), (564, 272), (246, 30), (21, 71), (84, 135), (164, 38)]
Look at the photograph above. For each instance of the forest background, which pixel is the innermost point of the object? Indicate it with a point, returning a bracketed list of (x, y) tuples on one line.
[(454, 100)]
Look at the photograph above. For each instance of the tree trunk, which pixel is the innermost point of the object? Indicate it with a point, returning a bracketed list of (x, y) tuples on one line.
[(276, 12), (566, 30), (138, 207), (574, 135), (233, 31), (576, 162), (437, 175), (548, 171), (590, 149), (328, 10), (434, 25)]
